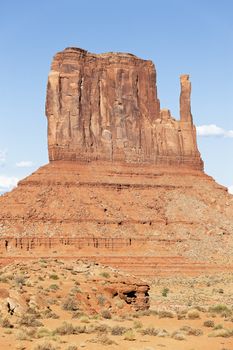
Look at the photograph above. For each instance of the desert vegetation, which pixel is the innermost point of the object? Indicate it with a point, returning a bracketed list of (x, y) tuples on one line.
[(42, 312)]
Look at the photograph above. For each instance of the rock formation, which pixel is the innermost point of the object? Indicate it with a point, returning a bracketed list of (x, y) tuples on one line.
[(105, 107), (100, 289), (124, 175)]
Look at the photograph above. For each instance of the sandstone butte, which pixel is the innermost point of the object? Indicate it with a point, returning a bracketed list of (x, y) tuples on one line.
[(125, 183)]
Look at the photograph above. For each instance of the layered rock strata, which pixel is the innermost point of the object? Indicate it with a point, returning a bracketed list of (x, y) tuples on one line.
[(105, 107), (124, 175)]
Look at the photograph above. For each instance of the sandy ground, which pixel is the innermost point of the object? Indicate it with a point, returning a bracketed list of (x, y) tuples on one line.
[(179, 308)]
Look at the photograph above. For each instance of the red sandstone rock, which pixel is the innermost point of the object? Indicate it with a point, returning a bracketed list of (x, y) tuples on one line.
[(105, 107), (147, 184)]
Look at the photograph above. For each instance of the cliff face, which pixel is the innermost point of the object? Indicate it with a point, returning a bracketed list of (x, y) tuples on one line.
[(108, 186), (105, 107)]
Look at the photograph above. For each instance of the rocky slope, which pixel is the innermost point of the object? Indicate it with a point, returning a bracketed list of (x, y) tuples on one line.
[(182, 212)]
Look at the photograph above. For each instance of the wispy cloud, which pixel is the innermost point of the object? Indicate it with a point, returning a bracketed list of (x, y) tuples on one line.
[(7, 182), (213, 130), (24, 164)]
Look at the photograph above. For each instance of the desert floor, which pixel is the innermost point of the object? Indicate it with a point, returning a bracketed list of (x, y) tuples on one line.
[(186, 313)]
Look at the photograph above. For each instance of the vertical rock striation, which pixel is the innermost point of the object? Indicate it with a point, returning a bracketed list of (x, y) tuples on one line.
[(105, 107)]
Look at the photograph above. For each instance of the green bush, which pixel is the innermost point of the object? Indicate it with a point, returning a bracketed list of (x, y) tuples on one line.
[(219, 308), (129, 335), (105, 274), (165, 292), (54, 276)]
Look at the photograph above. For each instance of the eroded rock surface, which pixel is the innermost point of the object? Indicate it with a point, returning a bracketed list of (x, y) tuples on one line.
[(86, 287), (105, 107)]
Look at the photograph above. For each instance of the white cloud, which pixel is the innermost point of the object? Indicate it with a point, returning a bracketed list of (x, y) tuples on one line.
[(213, 130), (24, 164), (230, 189), (7, 182)]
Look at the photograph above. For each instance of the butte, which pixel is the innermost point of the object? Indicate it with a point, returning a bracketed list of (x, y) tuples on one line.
[(125, 183)]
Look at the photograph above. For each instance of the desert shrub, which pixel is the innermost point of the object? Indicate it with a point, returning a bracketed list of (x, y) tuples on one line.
[(105, 274), (200, 308), (163, 333), (166, 314), (117, 330), (177, 335), (102, 328), (120, 304), (208, 323), (129, 335), (224, 333), (20, 280), (78, 314), (193, 314), (68, 328), (106, 314), (30, 332), (25, 333), (218, 326), (43, 261), (101, 299), (46, 346), (4, 279), (191, 331), (72, 347), (104, 340), (84, 319), (21, 336), (65, 329), (150, 331), (50, 314), (137, 324), (53, 276), (33, 311), (219, 309), (52, 301), (165, 292), (29, 320), (181, 316), (144, 313), (195, 331), (70, 304), (54, 287), (81, 330), (5, 323), (42, 332), (75, 290)]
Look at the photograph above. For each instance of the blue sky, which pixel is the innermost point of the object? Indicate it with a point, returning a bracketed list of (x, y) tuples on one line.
[(180, 36)]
